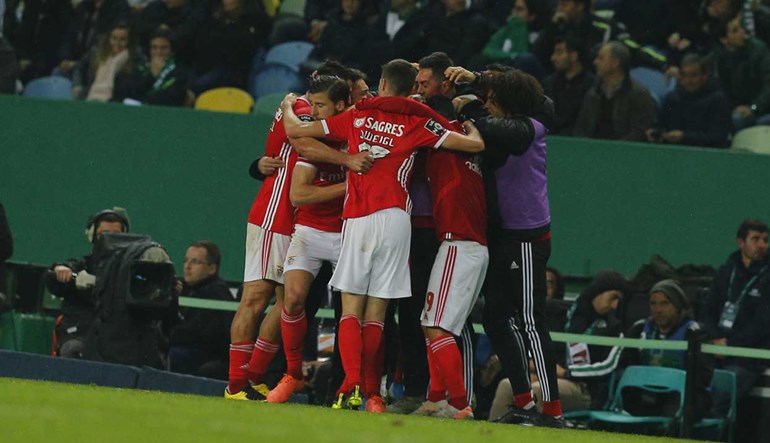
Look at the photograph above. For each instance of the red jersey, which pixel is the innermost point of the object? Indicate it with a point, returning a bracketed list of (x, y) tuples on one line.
[(457, 190), (392, 138), (272, 209), (325, 216)]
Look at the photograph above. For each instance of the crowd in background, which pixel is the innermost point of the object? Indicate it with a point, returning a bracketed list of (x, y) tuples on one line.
[(169, 51)]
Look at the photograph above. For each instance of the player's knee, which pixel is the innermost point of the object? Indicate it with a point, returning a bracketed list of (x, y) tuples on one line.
[(255, 297)]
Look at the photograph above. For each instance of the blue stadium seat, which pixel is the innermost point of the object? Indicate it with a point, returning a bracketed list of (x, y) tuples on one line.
[(655, 82), (289, 54), (275, 78), (268, 104), (58, 88), (723, 381)]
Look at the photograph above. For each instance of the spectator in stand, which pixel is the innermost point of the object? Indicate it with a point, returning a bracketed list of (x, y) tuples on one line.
[(350, 27), (743, 69), (648, 22), (183, 17), (316, 15), (573, 18), (511, 43), (568, 84), (402, 31), (459, 31), (161, 81), (226, 44), (36, 34), (737, 307), (616, 107), (90, 21), (697, 113), (108, 67), (74, 280), (201, 339), (671, 319)]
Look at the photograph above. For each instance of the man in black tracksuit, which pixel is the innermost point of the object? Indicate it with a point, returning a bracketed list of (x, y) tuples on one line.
[(736, 310)]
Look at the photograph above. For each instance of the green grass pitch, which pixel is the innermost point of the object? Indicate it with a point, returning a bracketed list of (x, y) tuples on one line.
[(32, 411)]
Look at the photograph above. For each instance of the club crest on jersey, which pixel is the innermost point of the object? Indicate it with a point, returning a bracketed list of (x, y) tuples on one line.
[(434, 127), (359, 122), (374, 150)]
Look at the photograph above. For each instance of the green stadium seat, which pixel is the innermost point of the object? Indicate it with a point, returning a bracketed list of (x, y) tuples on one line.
[(723, 381)]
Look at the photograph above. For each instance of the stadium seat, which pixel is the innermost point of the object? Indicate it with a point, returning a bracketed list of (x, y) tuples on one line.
[(753, 139), (654, 379), (225, 100), (723, 381), (655, 82), (289, 54), (268, 104), (55, 87), (276, 78)]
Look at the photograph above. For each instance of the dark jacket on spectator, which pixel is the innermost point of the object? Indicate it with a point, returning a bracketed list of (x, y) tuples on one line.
[(750, 325), (567, 95), (460, 36), (230, 44), (592, 31), (78, 306), (632, 112), (86, 24), (407, 43), (205, 329), (184, 23), (38, 35), (168, 89), (602, 360), (703, 117), (745, 74), (337, 39)]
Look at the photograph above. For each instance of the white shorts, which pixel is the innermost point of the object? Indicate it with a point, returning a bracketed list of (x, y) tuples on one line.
[(265, 254), (311, 247), (374, 257), (455, 283)]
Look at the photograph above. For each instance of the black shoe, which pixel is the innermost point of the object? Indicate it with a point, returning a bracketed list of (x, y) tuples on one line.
[(530, 417), (519, 416)]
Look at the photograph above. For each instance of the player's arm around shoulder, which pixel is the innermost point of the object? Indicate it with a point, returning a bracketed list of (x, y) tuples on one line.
[(304, 192), (293, 125), (470, 142)]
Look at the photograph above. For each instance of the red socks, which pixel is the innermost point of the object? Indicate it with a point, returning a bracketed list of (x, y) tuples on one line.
[(437, 390), (349, 331), (371, 333), (293, 330), (264, 351), (524, 401), (552, 408), (449, 363), (240, 353)]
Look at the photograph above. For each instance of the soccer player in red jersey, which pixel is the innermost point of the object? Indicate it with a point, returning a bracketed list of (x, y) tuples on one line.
[(317, 190), (270, 224), (373, 264), (460, 217)]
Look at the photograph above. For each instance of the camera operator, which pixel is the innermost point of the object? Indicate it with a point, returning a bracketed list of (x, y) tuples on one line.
[(73, 280)]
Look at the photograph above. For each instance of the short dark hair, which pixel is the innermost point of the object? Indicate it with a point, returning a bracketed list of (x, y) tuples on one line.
[(337, 69), (335, 87), (400, 74), (213, 255), (750, 224), (620, 52), (693, 58), (574, 44), (165, 32), (437, 63), (514, 91)]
